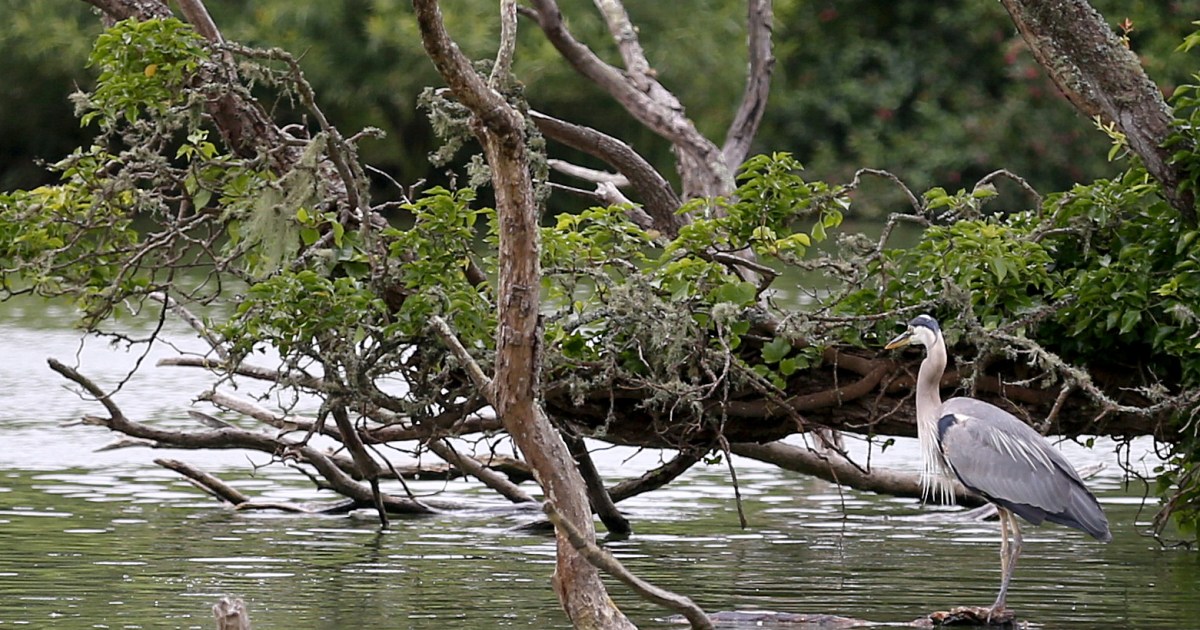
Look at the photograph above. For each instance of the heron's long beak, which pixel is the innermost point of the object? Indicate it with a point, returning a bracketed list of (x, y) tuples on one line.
[(901, 340)]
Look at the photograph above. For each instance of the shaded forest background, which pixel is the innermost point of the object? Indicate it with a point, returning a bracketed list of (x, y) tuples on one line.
[(940, 95)]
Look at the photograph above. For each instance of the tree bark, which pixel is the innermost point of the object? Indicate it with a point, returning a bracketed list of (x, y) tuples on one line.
[(515, 386), (1103, 78)]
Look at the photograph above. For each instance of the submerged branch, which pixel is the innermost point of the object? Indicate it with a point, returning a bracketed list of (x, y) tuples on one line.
[(657, 478), (233, 438), (205, 481), (602, 502)]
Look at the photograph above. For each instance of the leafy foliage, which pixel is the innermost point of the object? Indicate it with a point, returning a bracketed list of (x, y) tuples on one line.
[(771, 195), (61, 239), (143, 64), (674, 321)]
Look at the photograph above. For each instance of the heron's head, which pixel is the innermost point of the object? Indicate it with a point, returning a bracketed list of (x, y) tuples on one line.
[(923, 330)]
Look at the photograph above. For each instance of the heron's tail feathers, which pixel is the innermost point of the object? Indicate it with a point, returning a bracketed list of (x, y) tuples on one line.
[(1083, 512)]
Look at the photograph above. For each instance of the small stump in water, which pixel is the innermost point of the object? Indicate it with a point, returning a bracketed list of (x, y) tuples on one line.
[(231, 614), (973, 616)]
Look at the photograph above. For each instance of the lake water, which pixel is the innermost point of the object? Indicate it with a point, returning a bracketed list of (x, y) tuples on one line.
[(110, 540)]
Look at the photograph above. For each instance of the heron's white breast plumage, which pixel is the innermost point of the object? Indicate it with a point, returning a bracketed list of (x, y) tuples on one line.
[(937, 480)]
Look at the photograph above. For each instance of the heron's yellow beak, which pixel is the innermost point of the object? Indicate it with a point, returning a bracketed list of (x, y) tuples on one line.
[(901, 340)]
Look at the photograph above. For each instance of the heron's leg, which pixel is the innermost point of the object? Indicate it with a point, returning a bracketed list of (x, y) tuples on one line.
[(1015, 547), (1008, 555), (1004, 536)]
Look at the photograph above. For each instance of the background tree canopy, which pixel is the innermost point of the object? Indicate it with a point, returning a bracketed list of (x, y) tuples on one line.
[(939, 95)]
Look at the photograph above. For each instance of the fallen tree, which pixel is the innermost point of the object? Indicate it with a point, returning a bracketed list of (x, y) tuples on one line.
[(663, 318)]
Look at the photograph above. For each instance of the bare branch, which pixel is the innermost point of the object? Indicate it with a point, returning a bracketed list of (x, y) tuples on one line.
[(588, 174), (602, 503), (508, 43), (125, 9), (262, 414), (205, 481), (298, 379), (367, 466), (233, 438), (197, 14), (913, 201), (470, 466), (637, 68), (704, 170), (832, 467), (193, 321), (759, 24), (467, 86), (654, 191), (482, 382), (655, 479)]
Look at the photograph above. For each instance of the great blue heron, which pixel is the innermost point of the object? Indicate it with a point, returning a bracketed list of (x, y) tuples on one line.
[(994, 455)]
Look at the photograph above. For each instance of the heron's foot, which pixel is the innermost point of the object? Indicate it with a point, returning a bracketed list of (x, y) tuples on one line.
[(974, 616)]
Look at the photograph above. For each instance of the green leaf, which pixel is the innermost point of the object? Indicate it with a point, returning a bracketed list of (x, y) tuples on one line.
[(574, 346), (309, 235), (741, 293), (775, 350), (999, 267), (338, 231), (818, 232), (201, 199), (1129, 320), (788, 366)]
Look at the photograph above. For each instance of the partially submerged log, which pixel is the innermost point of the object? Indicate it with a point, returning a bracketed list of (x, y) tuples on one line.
[(963, 616), (973, 616)]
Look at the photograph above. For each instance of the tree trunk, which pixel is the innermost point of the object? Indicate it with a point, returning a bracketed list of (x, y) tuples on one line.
[(500, 129), (1103, 78)]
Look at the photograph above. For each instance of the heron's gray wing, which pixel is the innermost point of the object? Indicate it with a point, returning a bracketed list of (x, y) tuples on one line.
[(1004, 459)]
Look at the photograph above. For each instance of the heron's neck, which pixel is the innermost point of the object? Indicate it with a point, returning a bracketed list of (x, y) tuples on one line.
[(929, 383), (935, 478)]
